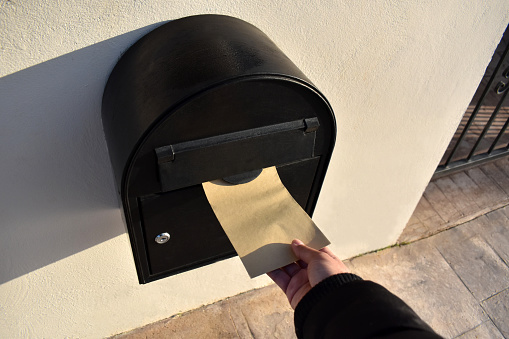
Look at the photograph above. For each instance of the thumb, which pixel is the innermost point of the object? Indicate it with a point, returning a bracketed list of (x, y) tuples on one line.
[(303, 252)]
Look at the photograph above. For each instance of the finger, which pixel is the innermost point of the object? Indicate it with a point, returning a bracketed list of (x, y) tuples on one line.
[(302, 264), (296, 283), (329, 252), (291, 269), (304, 252), (280, 278)]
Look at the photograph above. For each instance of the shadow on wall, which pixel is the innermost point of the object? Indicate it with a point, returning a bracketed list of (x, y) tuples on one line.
[(57, 194)]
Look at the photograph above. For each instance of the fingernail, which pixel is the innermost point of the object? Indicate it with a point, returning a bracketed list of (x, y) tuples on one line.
[(297, 242)]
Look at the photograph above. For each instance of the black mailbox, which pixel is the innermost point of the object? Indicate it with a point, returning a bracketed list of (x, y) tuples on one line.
[(197, 99)]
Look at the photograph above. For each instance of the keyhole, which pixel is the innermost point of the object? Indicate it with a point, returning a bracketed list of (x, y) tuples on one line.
[(162, 238)]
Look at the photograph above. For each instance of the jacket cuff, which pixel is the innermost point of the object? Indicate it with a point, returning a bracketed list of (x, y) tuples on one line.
[(319, 291)]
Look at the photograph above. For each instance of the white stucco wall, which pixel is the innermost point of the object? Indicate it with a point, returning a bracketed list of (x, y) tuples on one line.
[(398, 74)]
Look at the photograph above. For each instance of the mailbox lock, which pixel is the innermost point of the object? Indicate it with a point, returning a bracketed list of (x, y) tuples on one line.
[(162, 238)]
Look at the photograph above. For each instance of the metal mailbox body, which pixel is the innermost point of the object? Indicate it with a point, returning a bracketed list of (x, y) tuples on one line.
[(197, 99)]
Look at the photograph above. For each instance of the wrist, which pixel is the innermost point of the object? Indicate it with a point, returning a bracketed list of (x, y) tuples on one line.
[(318, 292)]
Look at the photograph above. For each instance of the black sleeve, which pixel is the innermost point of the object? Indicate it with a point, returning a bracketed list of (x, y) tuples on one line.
[(345, 306)]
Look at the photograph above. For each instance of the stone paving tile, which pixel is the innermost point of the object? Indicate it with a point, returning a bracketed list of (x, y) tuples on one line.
[(413, 232), (427, 215), (496, 218), (261, 313), (413, 220), (211, 321), (491, 192), (463, 203), (485, 330), (470, 188), (265, 314), (419, 275), (497, 175), (474, 261), (441, 204), (505, 210), (497, 233), (497, 308)]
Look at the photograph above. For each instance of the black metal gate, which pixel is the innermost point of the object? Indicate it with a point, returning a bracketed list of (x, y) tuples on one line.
[(482, 134)]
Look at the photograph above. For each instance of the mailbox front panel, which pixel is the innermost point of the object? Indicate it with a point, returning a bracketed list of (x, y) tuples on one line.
[(196, 237)]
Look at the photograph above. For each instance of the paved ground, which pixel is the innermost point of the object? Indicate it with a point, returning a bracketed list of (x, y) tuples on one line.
[(454, 273), (457, 280), (459, 198)]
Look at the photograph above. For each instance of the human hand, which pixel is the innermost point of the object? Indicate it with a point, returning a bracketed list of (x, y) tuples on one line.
[(296, 279)]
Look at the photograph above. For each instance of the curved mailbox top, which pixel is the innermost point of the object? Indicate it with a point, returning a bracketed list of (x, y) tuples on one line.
[(176, 62)]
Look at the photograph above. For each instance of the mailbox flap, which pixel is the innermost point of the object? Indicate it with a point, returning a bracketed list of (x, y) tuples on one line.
[(193, 162)]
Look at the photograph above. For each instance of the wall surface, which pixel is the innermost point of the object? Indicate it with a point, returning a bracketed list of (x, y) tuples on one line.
[(398, 74)]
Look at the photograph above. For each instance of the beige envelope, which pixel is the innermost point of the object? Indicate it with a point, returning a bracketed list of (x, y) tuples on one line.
[(261, 219)]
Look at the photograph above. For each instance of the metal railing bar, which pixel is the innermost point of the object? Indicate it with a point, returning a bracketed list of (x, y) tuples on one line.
[(502, 131), (465, 129), (460, 165), (476, 109), (487, 126)]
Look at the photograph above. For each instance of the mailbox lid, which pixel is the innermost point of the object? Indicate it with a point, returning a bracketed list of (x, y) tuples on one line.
[(175, 61)]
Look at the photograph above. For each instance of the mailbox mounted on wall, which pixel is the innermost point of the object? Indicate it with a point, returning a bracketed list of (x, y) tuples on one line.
[(203, 98)]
